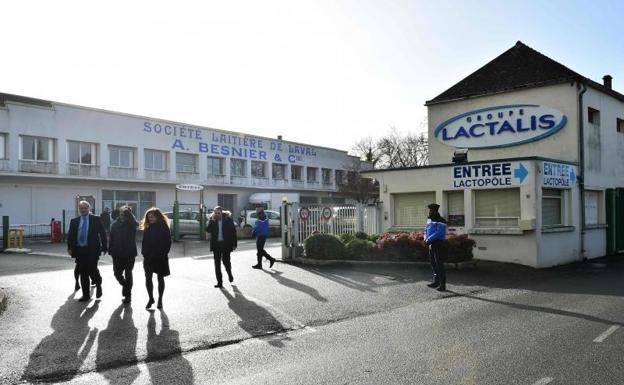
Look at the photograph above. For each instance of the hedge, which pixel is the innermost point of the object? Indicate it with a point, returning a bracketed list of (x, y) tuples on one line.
[(324, 246)]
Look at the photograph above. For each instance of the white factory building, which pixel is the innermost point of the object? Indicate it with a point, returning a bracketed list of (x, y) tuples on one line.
[(538, 174), (52, 154)]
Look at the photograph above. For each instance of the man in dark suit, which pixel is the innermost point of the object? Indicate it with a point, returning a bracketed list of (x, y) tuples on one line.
[(86, 240), (222, 242)]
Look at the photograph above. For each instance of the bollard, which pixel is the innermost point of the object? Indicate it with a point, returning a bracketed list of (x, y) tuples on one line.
[(5, 232)]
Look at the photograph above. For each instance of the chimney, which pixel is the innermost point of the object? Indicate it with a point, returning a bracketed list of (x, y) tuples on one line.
[(607, 81), (279, 137)]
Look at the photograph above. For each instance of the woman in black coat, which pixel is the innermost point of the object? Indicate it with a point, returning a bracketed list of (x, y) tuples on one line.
[(155, 249), (122, 247)]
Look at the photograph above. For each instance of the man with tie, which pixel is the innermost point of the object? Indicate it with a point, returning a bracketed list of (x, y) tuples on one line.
[(86, 240), (222, 242)]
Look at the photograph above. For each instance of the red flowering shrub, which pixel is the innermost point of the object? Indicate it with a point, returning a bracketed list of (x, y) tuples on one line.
[(412, 246)]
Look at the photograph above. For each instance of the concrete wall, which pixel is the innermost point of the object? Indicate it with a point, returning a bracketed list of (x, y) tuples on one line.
[(562, 145)]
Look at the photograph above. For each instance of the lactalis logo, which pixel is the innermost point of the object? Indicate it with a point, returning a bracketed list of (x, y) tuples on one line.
[(500, 126)]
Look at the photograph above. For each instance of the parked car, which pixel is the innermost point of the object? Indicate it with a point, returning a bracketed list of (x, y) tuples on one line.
[(189, 221), (248, 220)]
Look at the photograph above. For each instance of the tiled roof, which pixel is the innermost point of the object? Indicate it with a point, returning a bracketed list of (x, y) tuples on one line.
[(518, 67)]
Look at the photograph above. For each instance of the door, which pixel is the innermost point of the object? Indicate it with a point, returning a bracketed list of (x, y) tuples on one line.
[(615, 221)]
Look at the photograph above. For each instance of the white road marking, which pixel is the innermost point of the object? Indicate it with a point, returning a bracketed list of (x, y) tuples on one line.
[(607, 333), (544, 381)]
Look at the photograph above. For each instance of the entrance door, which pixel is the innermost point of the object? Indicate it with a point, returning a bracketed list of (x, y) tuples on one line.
[(615, 221), (227, 202)]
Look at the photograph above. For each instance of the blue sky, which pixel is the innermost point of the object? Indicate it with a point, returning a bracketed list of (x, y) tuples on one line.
[(325, 72)]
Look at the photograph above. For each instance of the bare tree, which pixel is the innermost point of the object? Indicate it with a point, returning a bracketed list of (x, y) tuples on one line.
[(355, 186), (394, 150)]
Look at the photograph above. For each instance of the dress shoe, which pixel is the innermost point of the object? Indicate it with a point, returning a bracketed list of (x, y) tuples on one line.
[(149, 303), (272, 261), (218, 285), (159, 303), (98, 291), (434, 284), (77, 286), (127, 300), (442, 288), (84, 299), (231, 278), (258, 266)]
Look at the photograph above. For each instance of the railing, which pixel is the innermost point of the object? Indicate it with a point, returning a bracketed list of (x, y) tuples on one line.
[(280, 183), (217, 179), (5, 165), (298, 183), (122, 172), (83, 170), (187, 176), (38, 167), (239, 180), (157, 174), (258, 181), (33, 231)]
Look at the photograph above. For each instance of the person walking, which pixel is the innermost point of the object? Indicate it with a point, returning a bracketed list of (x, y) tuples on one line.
[(223, 241), (261, 232), (86, 240), (155, 250), (105, 217), (122, 247), (435, 236)]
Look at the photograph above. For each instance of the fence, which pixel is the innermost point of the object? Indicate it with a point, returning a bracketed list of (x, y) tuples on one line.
[(301, 221), (32, 231)]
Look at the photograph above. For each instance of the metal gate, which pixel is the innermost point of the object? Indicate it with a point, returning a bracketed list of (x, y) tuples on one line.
[(301, 221), (615, 221)]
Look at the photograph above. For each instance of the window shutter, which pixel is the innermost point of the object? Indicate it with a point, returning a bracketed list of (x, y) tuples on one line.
[(411, 209)]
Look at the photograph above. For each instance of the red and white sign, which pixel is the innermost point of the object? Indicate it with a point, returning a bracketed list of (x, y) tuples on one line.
[(326, 213), (304, 213)]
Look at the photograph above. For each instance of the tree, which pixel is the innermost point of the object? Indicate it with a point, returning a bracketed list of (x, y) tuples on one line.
[(394, 150), (361, 189)]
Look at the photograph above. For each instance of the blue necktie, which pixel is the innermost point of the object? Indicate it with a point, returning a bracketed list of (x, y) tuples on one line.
[(82, 239)]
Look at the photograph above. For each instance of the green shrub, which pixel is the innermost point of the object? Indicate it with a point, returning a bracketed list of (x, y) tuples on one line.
[(459, 248), (360, 249), (373, 238), (324, 246), (361, 235), (346, 238)]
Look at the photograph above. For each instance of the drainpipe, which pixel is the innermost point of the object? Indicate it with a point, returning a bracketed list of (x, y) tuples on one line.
[(581, 177)]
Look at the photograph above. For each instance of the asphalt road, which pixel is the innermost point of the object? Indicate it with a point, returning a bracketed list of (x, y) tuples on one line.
[(498, 324)]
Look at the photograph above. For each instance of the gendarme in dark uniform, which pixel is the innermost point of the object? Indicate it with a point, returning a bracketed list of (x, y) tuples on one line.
[(435, 236)]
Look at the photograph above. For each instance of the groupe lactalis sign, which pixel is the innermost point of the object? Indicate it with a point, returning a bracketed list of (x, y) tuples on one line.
[(500, 126)]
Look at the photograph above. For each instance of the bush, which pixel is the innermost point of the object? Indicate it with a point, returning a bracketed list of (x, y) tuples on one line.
[(323, 246), (373, 238), (459, 248), (346, 238), (360, 249), (403, 245), (361, 235)]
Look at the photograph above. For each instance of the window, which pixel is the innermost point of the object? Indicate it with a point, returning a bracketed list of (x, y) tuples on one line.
[(186, 163), (455, 208), (279, 171), (155, 160), (497, 208), (258, 169), (121, 157), (593, 116), (35, 148), (308, 200), (138, 201), (552, 207), (312, 174), (3, 152), (296, 172), (237, 167), (216, 166), (326, 175), (81, 153), (411, 209), (620, 125), (592, 207), (339, 177)]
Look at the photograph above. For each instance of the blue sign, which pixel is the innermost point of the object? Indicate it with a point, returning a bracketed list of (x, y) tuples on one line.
[(500, 126), (488, 175), (558, 175)]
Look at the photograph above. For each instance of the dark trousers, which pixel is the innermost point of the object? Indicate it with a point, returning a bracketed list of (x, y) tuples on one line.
[(221, 255), (437, 256), (122, 268), (87, 267), (260, 241)]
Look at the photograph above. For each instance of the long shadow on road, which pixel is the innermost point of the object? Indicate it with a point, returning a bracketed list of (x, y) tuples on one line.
[(62, 353), (312, 292), (117, 347)]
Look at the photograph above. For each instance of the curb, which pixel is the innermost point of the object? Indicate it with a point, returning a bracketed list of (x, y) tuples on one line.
[(327, 262), (3, 300)]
